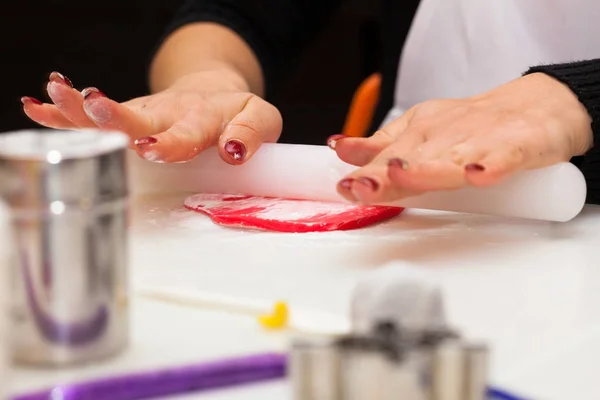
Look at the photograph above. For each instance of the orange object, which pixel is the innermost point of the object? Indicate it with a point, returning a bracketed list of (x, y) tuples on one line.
[(362, 107)]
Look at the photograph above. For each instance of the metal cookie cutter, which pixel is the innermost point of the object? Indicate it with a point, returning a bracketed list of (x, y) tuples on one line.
[(399, 350)]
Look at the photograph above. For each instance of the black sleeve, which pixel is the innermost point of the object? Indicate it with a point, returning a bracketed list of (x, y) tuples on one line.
[(276, 30), (583, 78)]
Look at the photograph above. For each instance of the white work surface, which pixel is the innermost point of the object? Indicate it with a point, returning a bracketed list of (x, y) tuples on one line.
[(530, 289)]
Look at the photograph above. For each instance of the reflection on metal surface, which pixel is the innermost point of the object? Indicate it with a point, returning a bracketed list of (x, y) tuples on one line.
[(55, 331)]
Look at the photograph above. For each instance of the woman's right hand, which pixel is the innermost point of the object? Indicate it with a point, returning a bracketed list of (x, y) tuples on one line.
[(198, 111)]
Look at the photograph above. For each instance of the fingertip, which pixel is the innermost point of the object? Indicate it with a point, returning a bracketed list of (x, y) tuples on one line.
[(146, 148), (45, 114), (237, 144), (396, 169), (344, 188), (474, 167), (366, 189), (333, 140), (53, 89), (97, 106), (27, 100), (236, 151), (60, 79), (91, 93), (258, 122), (29, 106), (479, 175), (175, 145), (57, 90)]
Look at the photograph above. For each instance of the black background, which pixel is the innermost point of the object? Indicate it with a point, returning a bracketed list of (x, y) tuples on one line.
[(108, 44)]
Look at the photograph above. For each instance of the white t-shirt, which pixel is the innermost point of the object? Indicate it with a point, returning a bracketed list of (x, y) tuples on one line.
[(458, 48)]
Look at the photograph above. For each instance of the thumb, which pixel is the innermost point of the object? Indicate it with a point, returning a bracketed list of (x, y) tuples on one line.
[(257, 122)]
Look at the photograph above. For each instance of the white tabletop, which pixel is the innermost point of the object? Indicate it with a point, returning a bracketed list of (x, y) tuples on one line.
[(530, 289)]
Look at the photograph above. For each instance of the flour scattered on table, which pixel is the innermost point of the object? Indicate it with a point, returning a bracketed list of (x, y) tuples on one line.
[(283, 215)]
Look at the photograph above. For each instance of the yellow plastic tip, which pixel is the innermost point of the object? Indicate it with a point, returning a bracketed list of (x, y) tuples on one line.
[(278, 319)]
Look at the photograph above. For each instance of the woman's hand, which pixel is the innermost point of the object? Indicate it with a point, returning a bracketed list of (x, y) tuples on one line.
[(198, 111), (531, 122)]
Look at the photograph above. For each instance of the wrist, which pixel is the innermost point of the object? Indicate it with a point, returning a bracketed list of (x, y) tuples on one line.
[(566, 110), (216, 79), (551, 104)]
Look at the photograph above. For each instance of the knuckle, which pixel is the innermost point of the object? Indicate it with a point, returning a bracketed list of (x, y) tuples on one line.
[(457, 156), (257, 117), (429, 107), (245, 124), (384, 133), (515, 152)]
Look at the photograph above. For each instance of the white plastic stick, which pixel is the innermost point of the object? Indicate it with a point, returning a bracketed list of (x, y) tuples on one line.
[(555, 193), (300, 321)]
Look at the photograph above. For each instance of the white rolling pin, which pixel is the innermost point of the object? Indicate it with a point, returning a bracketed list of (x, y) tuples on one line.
[(555, 193)]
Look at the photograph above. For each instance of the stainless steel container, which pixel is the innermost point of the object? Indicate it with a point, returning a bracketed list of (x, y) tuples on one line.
[(6, 258), (68, 194), (315, 370)]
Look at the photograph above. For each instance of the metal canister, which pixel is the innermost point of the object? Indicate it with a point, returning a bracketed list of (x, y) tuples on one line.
[(68, 194), (6, 258), (315, 370), (460, 371)]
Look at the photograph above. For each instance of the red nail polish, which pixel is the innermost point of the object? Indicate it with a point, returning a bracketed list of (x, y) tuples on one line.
[(398, 163), (145, 141), (346, 184), (332, 140), (60, 78), (91, 93), (236, 149), (369, 182), (27, 99), (474, 167)]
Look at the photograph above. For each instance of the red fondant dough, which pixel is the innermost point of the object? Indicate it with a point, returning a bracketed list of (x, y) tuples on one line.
[(283, 215)]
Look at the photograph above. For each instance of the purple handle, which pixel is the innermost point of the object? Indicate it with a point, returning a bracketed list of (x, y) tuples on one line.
[(171, 381)]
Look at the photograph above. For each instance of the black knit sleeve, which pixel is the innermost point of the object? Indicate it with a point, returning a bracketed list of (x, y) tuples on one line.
[(276, 30), (583, 78)]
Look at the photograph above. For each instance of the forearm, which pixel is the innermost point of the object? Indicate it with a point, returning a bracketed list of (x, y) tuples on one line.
[(201, 48), (256, 41)]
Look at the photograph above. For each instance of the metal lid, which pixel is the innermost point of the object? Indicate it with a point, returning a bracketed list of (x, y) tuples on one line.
[(75, 167)]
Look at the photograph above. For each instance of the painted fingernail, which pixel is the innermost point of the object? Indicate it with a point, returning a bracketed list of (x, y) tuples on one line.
[(369, 182), (474, 167), (60, 78), (236, 149), (92, 93), (332, 140), (27, 99), (398, 163), (145, 141), (346, 184)]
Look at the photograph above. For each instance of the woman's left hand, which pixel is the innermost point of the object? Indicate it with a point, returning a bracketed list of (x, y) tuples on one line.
[(531, 122)]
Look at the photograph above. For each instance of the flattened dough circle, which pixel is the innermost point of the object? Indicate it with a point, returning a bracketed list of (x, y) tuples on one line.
[(283, 215)]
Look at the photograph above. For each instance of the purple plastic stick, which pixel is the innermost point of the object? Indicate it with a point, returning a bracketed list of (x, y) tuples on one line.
[(171, 381)]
